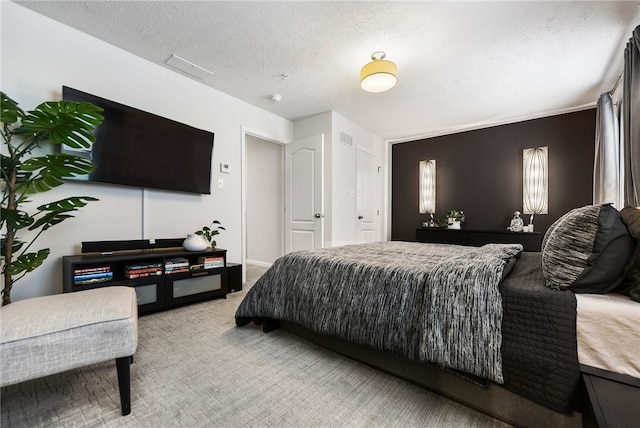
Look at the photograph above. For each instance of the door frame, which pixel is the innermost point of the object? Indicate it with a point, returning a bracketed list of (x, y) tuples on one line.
[(243, 188)]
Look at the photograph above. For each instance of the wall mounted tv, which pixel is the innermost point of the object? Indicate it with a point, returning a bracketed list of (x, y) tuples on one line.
[(137, 148)]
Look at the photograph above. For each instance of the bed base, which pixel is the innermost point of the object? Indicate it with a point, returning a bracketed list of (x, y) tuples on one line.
[(490, 398)]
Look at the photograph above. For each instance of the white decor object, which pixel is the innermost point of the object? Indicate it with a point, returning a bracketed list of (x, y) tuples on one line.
[(194, 243), (535, 181), (427, 195), (455, 224)]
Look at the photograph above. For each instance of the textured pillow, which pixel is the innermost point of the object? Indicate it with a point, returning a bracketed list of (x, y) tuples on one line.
[(586, 250), (631, 283)]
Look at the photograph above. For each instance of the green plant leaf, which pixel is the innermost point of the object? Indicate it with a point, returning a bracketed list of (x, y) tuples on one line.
[(67, 203), (9, 110), (64, 122), (15, 247), (15, 218), (56, 212), (27, 262), (49, 220), (8, 166), (51, 169)]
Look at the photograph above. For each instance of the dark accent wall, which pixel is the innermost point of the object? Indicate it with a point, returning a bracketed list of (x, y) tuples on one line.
[(480, 172)]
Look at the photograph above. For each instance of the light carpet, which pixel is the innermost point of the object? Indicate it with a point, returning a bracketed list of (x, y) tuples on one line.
[(195, 368)]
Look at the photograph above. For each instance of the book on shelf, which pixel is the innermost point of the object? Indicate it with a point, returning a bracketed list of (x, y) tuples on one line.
[(91, 281), (210, 262), (144, 265), (176, 262), (177, 270), (85, 271), (142, 275), (96, 275), (143, 270)]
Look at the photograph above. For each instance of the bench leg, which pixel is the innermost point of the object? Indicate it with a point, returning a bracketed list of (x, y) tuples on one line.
[(123, 365)]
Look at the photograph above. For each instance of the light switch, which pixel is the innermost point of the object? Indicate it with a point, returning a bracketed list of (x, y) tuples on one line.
[(220, 183), (225, 168)]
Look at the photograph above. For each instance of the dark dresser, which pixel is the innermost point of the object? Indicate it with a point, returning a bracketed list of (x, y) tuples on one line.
[(531, 241)]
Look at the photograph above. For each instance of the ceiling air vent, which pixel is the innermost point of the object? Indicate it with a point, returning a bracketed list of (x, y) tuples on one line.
[(188, 67), (346, 139)]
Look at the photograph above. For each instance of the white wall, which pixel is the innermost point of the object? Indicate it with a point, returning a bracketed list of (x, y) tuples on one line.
[(40, 55), (265, 201), (340, 173)]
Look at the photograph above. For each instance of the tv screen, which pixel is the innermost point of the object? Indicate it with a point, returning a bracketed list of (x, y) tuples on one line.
[(137, 148)]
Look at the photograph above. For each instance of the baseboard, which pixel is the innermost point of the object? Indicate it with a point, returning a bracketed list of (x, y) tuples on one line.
[(258, 263)]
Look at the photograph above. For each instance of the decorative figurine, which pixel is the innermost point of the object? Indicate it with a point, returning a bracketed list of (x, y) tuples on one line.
[(516, 224), (430, 223)]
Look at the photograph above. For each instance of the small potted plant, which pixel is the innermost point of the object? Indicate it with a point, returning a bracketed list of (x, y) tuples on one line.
[(208, 232), (203, 238), (454, 219)]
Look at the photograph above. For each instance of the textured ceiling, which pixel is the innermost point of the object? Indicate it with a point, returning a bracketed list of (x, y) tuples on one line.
[(462, 65)]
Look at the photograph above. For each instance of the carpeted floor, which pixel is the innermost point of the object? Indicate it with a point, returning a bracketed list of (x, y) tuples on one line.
[(194, 368)]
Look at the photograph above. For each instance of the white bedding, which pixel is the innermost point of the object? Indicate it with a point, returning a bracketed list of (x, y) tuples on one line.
[(608, 332)]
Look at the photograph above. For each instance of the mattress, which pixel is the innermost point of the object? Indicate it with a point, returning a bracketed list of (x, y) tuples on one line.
[(608, 334)]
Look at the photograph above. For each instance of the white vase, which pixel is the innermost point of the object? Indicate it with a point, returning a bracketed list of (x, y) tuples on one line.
[(454, 225), (194, 243)]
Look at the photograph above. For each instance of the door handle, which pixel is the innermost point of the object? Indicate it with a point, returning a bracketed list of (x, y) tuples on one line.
[(360, 217), (318, 215)]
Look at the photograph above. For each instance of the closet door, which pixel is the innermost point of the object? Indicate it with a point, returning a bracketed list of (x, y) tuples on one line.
[(367, 196)]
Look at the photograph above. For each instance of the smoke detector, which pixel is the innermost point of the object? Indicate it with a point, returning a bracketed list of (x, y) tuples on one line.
[(275, 97)]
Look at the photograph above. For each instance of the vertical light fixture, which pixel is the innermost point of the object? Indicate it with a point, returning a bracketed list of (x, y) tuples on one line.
[(379, 75), (427, 195), (535, 182)]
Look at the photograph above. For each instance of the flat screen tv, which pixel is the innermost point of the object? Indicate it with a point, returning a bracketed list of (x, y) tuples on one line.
[(137, 148)]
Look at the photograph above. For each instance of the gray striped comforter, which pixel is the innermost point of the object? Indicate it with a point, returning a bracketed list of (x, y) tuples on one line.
[(427, 302)]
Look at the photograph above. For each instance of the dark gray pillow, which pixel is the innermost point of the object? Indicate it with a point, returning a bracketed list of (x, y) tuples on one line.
[(586, 250), (631, 284)]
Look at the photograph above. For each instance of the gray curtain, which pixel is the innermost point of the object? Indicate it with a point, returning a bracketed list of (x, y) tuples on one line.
[(630, 119), (606, 170)]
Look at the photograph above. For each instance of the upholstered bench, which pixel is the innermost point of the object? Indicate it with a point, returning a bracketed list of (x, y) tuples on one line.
[(41, 336)]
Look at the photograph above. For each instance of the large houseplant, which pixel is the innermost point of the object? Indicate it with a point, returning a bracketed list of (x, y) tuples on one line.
[(25, 172)]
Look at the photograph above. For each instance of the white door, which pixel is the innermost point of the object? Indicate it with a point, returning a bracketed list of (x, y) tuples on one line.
[(367, 195), (304, 193)]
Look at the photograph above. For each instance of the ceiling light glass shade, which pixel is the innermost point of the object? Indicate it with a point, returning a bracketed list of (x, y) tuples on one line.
[(427, 196), (379, 75), (535, 180)]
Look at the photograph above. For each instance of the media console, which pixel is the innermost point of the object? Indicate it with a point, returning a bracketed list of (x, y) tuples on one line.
[(163, 278)]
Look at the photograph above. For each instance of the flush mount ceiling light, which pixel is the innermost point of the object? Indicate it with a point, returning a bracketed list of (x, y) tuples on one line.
[(379, 75)]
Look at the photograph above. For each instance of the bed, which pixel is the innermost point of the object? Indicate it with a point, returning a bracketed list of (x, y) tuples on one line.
[(493, 327)]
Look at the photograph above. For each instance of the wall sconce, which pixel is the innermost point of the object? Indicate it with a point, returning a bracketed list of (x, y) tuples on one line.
[(535, 182), (427, 195)]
